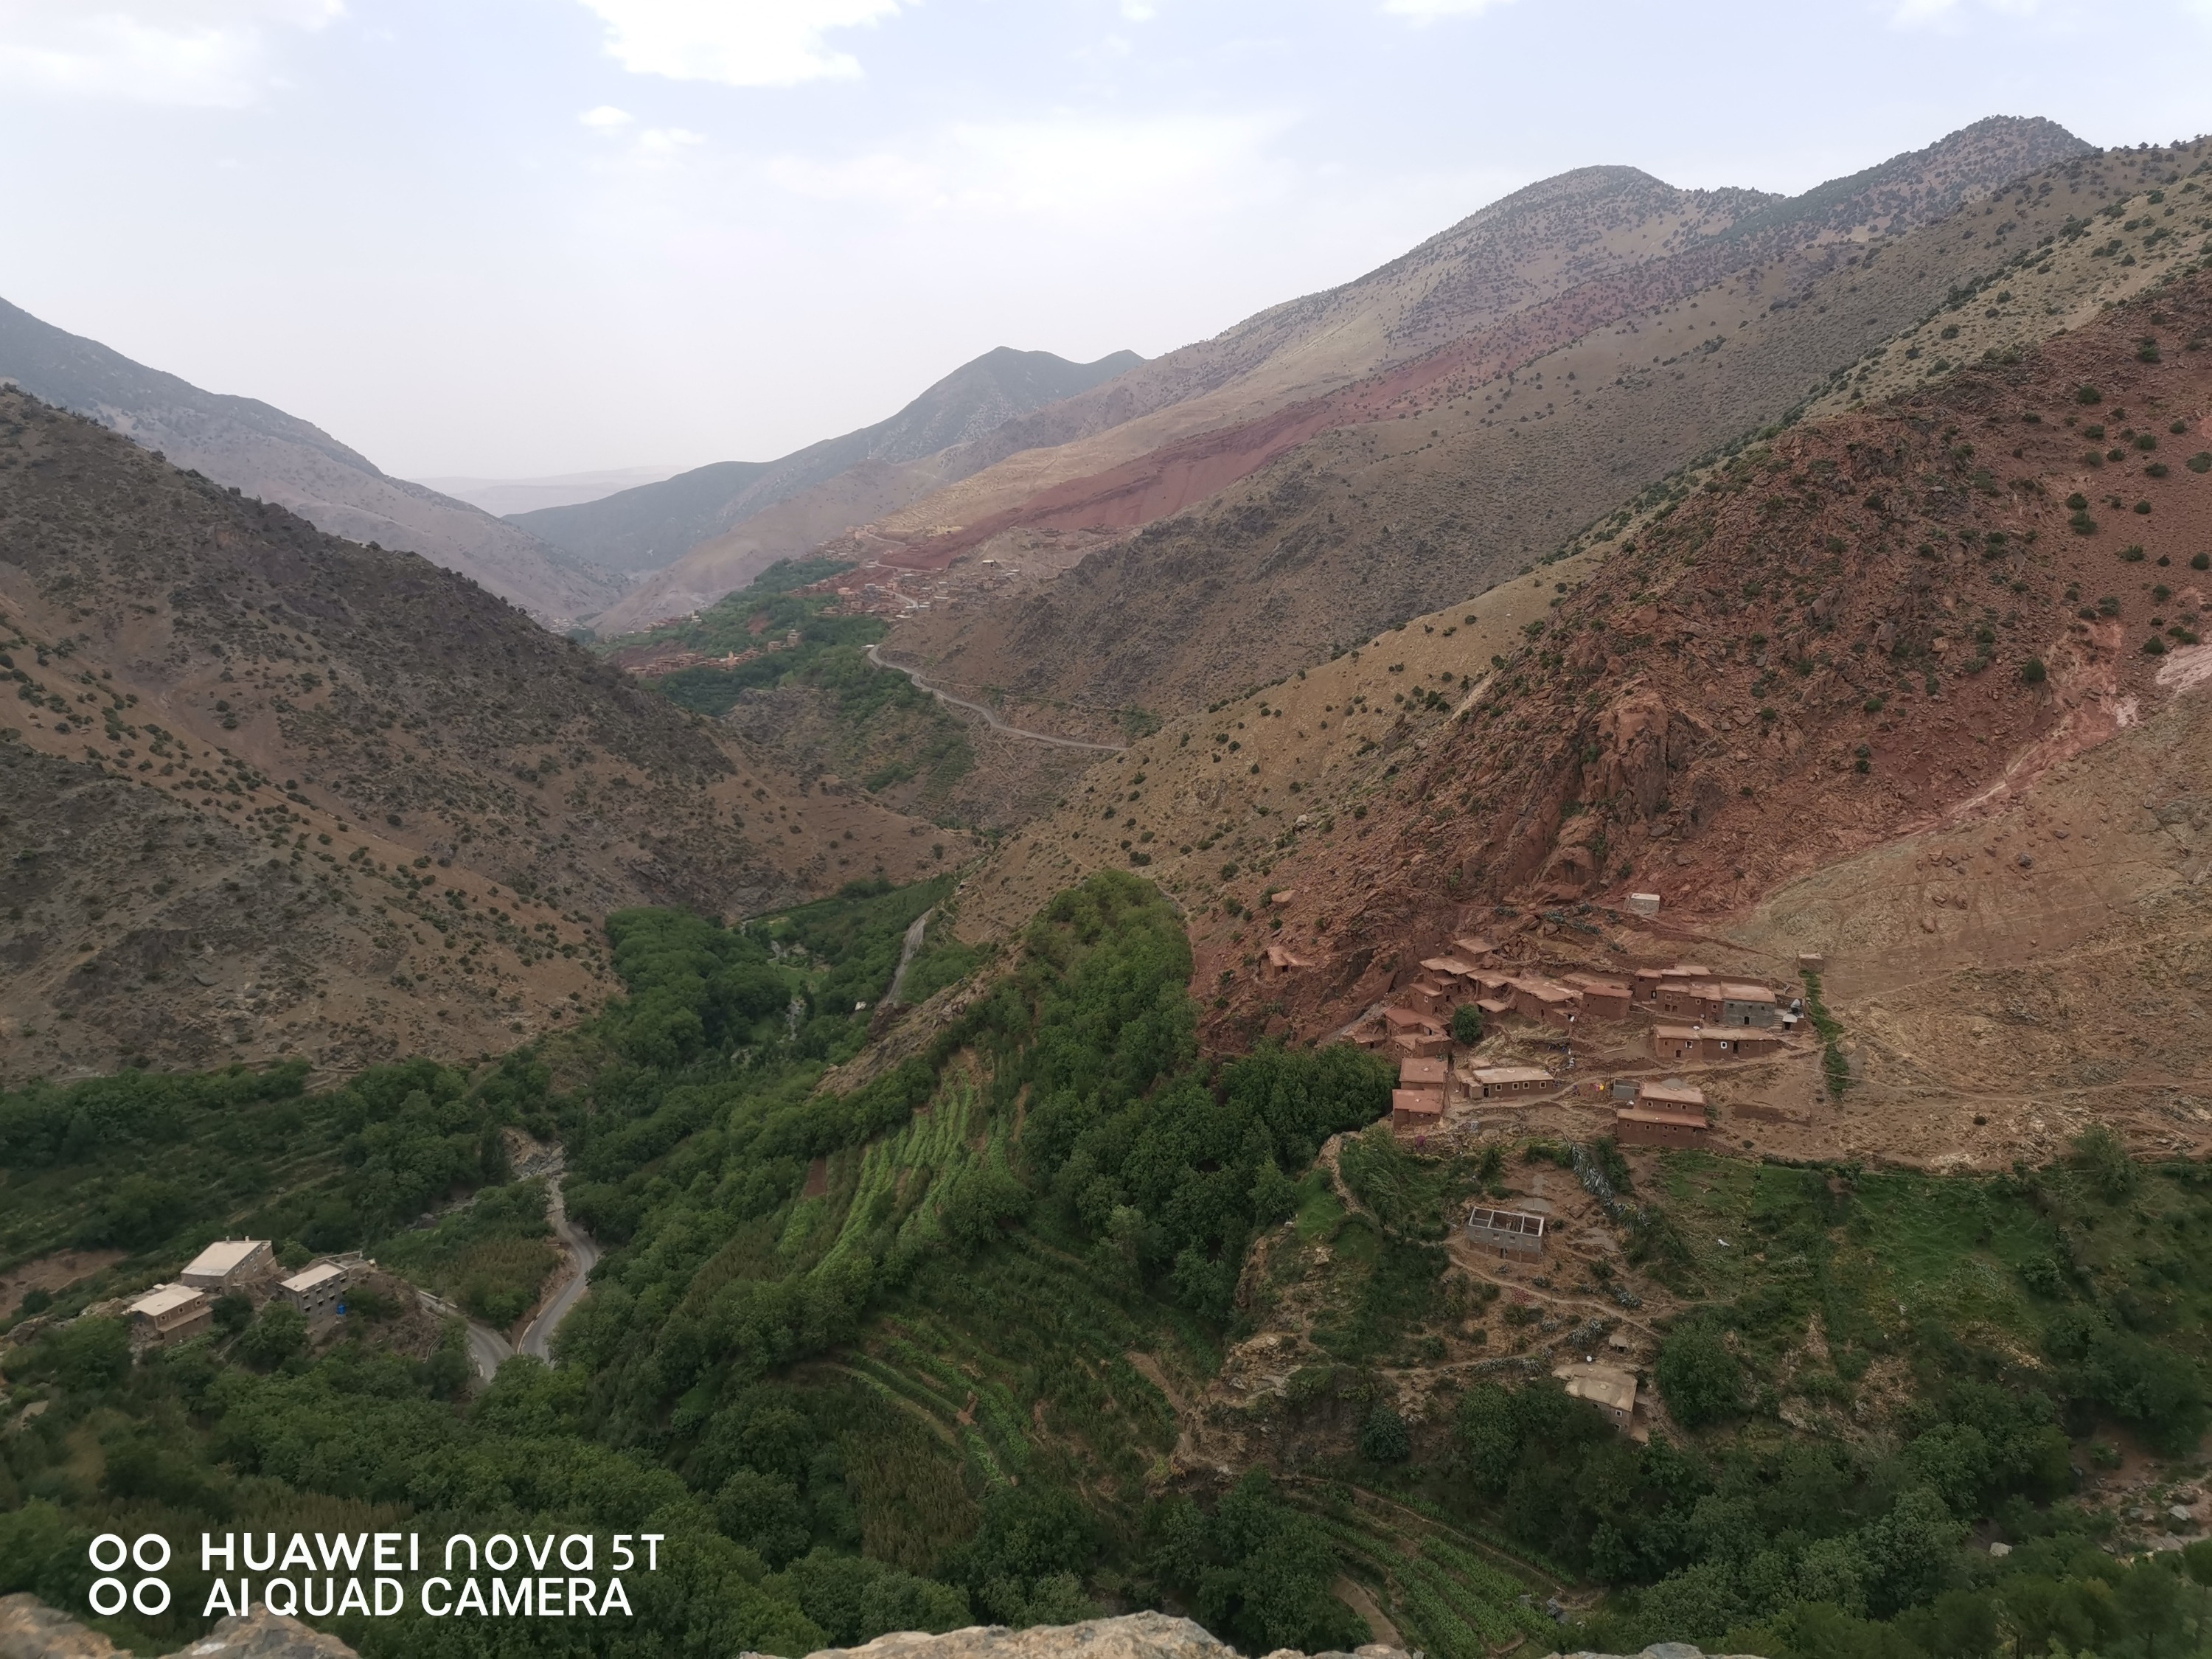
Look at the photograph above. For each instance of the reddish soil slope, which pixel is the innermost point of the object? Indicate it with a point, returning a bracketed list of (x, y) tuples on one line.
[(1836, 643)]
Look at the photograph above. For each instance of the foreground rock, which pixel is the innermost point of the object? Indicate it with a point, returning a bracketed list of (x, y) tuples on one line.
[(29, 1629), (1134, 1636)]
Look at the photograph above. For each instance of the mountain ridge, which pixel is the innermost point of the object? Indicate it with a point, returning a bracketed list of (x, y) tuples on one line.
[(264, 451)]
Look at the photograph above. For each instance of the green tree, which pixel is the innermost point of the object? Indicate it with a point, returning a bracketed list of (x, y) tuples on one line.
[(1466, 1025), (280, 1333), (1698, 1377)]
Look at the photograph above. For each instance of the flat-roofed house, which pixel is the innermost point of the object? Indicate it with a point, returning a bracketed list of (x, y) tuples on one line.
[(1513, 1082), (1602, 999), (1423, 1073), (316, 1291), (1669, 1114), (1510, 1232), (1428, 995), (1410, 1019), (171, 1313), (1650, 980), (1420, 1043), (1416, 1109), (1282, 960), (1472, 949), (1447, 969), (1647, 1125), (1540, 999), (228, 1262), (1608, 1388), (1675, 1042), (1751, 1043)]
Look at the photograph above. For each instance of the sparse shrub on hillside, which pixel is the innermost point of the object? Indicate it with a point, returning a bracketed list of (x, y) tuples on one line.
[(2088, 394), (2033, 672)]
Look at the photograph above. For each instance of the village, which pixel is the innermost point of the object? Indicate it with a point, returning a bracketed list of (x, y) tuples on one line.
[(1491, 1045)]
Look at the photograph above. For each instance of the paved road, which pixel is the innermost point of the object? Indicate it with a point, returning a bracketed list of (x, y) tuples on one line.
[(990, 718), (538, 1336)]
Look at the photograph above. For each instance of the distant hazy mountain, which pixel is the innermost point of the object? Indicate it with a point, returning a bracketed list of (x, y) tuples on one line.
[(506, 496), (262, 451), (647, 528)]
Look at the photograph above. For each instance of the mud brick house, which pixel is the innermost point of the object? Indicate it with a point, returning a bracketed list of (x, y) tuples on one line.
[(1676, 1043), (1513, 1082), (1416, 1109), (1282, 961), (1423, 1073), (1602, 999), (1649, 981), (1669, 1114), (1542, 1000)]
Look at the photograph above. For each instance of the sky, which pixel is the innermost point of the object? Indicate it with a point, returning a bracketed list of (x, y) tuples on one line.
[(513, 238)]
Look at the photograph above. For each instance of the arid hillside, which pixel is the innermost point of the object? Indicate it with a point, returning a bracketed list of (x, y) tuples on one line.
[(1913, 686), (1418, 486), (269, 792), (251, 447), (710, 530), (1596, 242)]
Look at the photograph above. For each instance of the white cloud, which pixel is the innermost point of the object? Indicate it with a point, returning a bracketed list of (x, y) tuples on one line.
[(1068, 166), (1950, 15), (202, 53), (740, 43), (606, 118), (1428, 11)]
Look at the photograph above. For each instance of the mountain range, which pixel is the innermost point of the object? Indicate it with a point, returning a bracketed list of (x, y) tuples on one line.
[(246, 444), (715, 527)]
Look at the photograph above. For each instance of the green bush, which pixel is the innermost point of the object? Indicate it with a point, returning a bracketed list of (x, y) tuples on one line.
[(1466, 1025), (1384, 1437)]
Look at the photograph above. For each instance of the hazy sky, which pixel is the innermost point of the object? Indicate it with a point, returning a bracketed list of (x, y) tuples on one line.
[(515, 237)]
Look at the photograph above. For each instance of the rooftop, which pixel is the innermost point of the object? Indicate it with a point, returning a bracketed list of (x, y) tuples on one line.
[(1665, 1114), (1747, 993), (1603, 1385), (314, 1278), (220, 1258), (1672, 1092), (1428, 1102), (1428, 1072), (1489, 1074), (164, 1298)]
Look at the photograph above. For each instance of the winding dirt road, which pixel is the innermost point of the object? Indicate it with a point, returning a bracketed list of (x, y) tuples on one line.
[(990, 718)]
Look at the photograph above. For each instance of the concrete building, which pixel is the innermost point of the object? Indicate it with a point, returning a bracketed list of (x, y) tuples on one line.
[(171, 1313), (1513, 1082), (1747, 1005), (1510, 1232), (1417, 1110), (1608, 1388), (233, 1262), (316, 1291)]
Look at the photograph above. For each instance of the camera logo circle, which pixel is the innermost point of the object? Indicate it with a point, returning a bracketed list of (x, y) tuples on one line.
[(149, 1554)]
